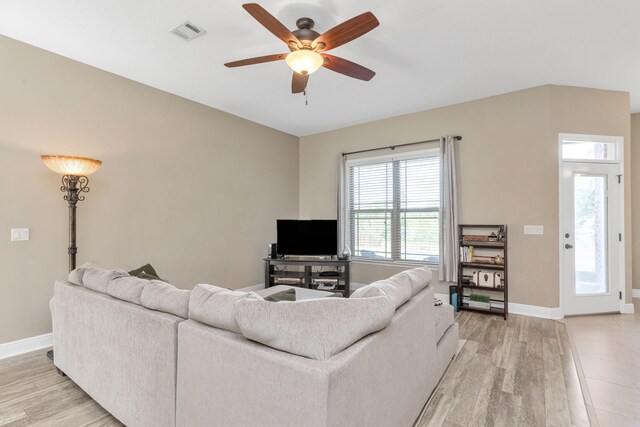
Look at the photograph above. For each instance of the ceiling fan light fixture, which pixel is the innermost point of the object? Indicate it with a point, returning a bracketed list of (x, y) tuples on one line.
[(304, 61)]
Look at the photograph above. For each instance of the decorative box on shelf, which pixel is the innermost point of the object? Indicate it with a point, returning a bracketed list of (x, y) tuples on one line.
[(480, 304), (476, 238)]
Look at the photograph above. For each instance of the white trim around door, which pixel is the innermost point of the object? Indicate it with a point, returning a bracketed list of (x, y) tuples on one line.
[(592, 155)]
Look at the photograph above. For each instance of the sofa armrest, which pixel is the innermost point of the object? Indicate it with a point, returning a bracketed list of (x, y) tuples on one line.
[(123, 355)]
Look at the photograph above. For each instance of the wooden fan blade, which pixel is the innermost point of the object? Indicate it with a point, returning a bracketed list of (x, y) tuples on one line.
[(257, 60), (299, 82), (347, 68), (345, 32), (271, 24)]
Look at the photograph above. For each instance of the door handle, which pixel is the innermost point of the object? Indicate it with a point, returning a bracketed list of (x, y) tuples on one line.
[(568, 246)]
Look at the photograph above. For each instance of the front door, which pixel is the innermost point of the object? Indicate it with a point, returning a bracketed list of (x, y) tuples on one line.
[(591, 239)]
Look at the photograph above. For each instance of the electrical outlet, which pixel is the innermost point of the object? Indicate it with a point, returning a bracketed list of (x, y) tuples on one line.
[(19, 234), (533, 229)]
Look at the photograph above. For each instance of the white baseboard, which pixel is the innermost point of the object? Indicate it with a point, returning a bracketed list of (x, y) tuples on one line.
[(635, 293), (626, 309), (535, 311), (252, 288), (26, 345)]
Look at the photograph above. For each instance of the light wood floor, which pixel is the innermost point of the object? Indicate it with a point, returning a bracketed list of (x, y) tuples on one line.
[(32, 393), (515, 373), (608, 351)]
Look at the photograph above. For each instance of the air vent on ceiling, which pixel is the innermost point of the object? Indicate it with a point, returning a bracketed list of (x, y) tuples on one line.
[(188, 31)]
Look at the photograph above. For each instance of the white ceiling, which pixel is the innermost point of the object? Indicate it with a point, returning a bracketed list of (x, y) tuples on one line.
[(427, 53)]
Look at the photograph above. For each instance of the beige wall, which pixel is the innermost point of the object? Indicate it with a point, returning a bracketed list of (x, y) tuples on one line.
[(508, 170), (597, 112), (635, 184), (196, 191), (192, 190)]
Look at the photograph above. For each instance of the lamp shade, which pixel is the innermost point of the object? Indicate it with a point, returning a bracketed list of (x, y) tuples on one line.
[(304, 61), (71, 165)]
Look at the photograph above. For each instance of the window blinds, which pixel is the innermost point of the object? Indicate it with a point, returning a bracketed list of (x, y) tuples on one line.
[(393, 208)]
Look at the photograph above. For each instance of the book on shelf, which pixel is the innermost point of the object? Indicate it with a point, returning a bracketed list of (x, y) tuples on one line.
[(466, 253)]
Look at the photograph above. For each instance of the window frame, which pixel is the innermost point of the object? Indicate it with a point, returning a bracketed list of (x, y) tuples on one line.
[(567, 138), (395, 210)]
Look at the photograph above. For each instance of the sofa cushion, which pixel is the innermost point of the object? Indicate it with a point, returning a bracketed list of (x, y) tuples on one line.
[(162, 296), (444, 319), (418, 278), (310, 328), (76, 276), (98, 279), (214, 306), (127, 288), (398, 290)]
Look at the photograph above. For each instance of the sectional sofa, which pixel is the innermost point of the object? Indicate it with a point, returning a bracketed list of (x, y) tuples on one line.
[(154, 355)]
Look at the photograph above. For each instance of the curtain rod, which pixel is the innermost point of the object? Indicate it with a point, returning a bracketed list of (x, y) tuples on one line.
[(393, 147)]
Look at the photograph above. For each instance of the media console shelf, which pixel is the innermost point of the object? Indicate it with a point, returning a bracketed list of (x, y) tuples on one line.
[(308, 273)]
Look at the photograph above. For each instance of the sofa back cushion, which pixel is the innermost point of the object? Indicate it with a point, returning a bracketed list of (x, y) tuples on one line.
[(214, 306), (317, 329), (162, 296), (399, 291), (419, 278), (98, 279), (127, 288), (76, 276)]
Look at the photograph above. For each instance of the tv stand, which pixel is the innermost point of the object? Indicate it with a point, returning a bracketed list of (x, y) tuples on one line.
[(306, 273)]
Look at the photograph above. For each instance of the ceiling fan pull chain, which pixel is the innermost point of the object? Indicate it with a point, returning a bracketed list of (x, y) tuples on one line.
[(306, 98)]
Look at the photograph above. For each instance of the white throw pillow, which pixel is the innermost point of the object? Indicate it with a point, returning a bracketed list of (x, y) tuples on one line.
[(214, 306), (317, 329), (398, 290)]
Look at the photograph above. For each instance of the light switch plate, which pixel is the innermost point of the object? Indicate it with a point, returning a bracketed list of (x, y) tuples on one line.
[(533, 229), (19, 234)]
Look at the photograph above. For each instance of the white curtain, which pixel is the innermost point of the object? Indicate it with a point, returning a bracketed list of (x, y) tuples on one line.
[(447, 265), (342, 203)]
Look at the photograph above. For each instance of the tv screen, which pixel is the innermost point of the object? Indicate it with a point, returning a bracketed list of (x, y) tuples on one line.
[(307, 237)]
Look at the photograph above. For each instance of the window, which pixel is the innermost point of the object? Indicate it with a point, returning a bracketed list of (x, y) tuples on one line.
[(393, 207), (583, 147)]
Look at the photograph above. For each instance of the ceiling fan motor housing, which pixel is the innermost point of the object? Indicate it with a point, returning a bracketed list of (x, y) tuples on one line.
[(305, 32)]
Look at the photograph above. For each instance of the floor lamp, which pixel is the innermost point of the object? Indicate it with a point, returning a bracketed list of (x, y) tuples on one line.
[(74, 171)]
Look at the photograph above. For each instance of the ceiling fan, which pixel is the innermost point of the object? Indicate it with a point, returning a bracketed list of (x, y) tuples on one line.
[(308, 47)]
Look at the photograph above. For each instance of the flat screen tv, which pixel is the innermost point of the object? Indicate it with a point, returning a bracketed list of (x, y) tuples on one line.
[(314, 237)]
